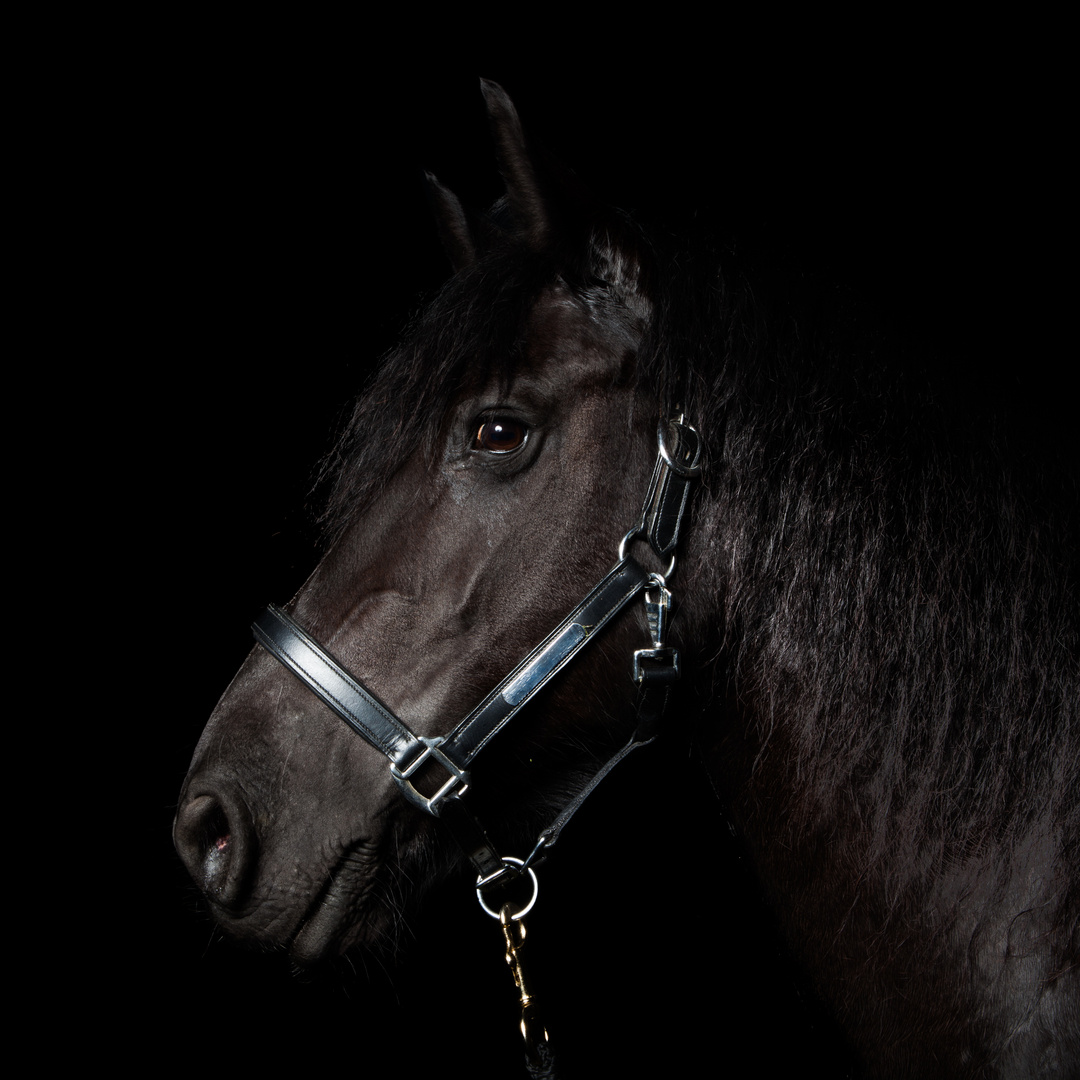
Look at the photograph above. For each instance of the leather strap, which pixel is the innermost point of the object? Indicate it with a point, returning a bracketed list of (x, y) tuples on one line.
[(650, 713), (353, 702), (618, 588), (678, 464)]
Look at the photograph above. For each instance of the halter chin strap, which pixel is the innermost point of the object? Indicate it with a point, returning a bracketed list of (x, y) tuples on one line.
[(678, 463)]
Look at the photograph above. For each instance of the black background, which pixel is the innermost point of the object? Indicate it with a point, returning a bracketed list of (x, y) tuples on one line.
[(250, 222)]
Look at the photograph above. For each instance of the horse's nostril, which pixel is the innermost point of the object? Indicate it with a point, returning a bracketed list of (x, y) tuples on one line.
[(210, 837)]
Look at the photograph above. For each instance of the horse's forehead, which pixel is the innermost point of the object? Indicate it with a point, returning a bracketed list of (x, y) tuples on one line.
[(595, 334), (560, 310)]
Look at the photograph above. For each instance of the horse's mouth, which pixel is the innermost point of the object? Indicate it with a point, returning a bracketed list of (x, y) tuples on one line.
[(338, 908)]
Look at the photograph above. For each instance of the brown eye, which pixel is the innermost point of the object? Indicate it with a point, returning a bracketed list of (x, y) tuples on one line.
[(500, 436)]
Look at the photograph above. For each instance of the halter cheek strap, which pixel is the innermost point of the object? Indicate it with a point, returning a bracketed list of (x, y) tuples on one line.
[(654, 669)]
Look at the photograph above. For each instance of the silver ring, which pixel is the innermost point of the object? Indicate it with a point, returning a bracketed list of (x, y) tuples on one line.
[(638, 531), (532, 900), (635, 531)]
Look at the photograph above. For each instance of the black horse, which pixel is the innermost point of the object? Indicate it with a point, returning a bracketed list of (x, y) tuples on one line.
[(877, 625)]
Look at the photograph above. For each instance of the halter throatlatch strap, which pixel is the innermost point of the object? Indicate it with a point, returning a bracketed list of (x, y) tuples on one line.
[(412, 756)]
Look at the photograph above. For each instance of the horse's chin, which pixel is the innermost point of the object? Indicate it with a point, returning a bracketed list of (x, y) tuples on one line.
[(343, 914)]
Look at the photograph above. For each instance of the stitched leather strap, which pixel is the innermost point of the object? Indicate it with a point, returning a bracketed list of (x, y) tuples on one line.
[(677, 466), (616, 590), (353, 702)]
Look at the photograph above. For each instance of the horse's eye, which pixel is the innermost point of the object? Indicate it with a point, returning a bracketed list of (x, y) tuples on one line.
[(500, 436)]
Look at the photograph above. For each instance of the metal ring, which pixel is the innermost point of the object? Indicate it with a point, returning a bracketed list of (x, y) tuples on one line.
[(688, 472), (635, 531), (532, 900), (638, 531)]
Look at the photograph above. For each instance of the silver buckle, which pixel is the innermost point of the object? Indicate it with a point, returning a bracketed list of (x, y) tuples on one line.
[(456, 784)]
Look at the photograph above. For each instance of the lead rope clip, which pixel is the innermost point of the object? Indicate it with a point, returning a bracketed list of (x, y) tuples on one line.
[(532, 1026), (662, 664)]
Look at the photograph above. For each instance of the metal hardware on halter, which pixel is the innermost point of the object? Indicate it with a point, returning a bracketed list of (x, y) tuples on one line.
[(669, 490), (635, 532), (658, 611), (518, 868), (457, 784), (663, 664), (689, 468), (677, 466)]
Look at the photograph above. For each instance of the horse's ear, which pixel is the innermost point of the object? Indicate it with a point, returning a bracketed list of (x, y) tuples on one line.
[(524, 193), (453, 223), (524, 211)]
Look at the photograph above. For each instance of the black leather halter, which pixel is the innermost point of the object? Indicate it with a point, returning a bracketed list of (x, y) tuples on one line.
[(654, 669)]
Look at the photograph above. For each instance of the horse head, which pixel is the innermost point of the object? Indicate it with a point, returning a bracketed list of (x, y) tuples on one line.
[(482, 488)]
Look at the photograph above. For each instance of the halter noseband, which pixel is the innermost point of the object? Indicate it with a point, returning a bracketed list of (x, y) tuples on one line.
[(678, 463)]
